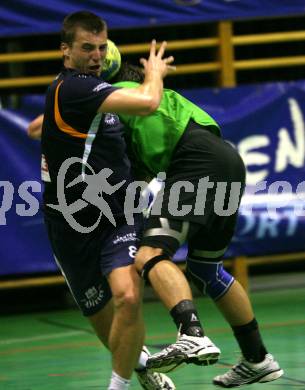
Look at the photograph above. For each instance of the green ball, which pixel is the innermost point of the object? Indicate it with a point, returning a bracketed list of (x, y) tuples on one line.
[(112, 61)]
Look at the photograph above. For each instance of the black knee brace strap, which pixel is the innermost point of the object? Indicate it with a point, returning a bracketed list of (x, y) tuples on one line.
[(150, 264)]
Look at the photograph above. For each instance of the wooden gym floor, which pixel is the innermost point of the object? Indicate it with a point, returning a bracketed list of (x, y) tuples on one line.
[(57, 349)]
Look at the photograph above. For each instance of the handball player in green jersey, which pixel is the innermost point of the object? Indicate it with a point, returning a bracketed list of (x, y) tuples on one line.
[(183, 141)]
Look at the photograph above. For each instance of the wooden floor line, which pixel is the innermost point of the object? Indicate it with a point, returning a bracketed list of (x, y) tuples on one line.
[(294, 380), (80, 330), (49, 336), (39, 348)]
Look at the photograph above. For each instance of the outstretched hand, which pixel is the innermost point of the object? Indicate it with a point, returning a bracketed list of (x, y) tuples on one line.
[(156, 62)]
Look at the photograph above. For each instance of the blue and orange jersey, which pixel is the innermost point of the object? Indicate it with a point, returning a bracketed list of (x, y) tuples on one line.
[(73, 127)]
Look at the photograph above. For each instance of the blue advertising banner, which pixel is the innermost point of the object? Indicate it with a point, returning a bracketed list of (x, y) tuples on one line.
[(21, 17), (265, 123), (24, 247)]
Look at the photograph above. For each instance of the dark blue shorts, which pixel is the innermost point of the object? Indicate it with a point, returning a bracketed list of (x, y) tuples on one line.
[(86, 260)]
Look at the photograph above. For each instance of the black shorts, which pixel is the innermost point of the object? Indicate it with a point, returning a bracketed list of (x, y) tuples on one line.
[(86, 260), (204, 215)]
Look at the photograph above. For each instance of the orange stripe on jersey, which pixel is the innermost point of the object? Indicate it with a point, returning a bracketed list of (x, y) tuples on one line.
[(61, 124)]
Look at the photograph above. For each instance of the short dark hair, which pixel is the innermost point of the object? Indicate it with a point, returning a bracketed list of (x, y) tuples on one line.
[(129, 72), (83, 19)]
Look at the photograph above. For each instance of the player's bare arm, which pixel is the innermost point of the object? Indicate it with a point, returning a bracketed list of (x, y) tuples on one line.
[(146, 98), (34, 128)]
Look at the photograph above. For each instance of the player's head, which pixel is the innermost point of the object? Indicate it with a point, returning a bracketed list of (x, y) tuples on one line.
[(129, 72), (84, 42)]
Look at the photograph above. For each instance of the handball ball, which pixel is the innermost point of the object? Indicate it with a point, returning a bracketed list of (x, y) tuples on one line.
[(112, 61)]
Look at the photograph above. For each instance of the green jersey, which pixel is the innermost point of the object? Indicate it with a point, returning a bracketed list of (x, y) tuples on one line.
[(153, 138)]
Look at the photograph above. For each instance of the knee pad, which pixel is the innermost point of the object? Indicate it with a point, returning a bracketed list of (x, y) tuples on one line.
[(150, 264), (209, 276)]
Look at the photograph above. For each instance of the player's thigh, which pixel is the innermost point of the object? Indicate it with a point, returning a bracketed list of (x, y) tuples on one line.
[(117, 262), (78, 257)]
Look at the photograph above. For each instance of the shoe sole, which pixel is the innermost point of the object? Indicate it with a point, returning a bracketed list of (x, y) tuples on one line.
[(204, 360), (173, 363), (272, 376)]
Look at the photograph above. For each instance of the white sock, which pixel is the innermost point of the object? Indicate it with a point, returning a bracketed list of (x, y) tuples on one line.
[(142, 360), (118, 383)]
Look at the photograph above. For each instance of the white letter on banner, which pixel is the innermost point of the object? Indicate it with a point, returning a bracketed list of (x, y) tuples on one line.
[(254, 158), (299, 207), (249, 223), (292, 222), (268, 226), (288, 152)]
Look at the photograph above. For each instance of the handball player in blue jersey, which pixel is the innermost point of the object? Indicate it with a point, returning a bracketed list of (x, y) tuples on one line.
[(82, 146), (180, 134)]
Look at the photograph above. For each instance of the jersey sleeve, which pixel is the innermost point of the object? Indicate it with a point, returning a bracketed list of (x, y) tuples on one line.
[(84, 93)]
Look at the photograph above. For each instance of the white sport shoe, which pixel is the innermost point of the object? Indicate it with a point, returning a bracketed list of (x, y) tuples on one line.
[(153, 380), (245, 373), (187, 349)]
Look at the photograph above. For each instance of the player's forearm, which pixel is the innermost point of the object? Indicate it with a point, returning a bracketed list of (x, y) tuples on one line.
[(144, 99), (35, 127)]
